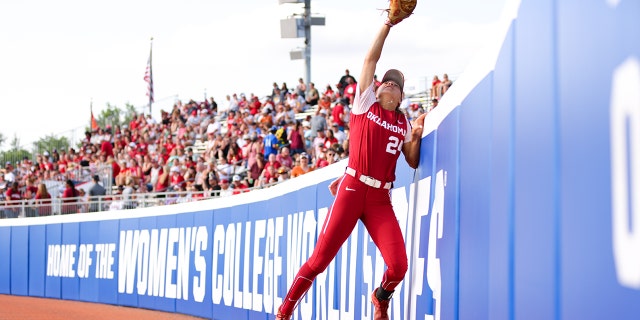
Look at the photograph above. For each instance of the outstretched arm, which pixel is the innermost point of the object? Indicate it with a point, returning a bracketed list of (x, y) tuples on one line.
[(372, 57)]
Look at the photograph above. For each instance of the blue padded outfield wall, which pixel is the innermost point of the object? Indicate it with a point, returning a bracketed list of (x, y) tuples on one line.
[(526, 204)]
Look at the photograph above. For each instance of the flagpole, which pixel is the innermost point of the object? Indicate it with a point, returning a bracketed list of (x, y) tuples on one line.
[(150, 76)]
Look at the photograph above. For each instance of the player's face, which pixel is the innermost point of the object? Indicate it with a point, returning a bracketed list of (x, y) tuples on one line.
[(389, 92)]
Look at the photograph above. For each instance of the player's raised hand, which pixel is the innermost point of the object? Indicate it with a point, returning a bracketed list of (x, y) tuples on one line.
[(416, 127)]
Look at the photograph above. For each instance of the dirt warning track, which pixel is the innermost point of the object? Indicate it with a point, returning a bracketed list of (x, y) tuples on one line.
[(31, 308)]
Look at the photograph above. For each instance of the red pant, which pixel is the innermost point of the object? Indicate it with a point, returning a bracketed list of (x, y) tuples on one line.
[(354, 201)]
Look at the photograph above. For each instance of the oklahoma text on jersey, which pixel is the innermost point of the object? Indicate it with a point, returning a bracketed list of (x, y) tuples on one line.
[(384, 124)]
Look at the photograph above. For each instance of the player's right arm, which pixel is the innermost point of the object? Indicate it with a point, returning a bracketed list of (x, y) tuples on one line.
[(372, 57)]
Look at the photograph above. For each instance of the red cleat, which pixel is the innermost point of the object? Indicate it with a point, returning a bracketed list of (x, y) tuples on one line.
[(380, 307)]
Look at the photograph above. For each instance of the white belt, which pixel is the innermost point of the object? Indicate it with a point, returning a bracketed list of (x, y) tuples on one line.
[(372, 182)]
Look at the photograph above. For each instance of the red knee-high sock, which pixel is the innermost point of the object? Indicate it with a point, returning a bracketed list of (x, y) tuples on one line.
[(300, 286)]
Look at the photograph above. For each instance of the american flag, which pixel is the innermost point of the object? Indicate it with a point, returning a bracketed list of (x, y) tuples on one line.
[(148, 78)]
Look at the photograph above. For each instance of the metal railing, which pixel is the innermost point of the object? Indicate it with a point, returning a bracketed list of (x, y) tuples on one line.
[(60, 206)]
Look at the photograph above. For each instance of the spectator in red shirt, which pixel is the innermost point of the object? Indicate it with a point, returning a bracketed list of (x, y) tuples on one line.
[(13, 197), (350, 90), (69, 197), (284, 157), (177, 179), (338, 115), (239, 185), (106, 147), (435, 84), (272, 162), (330, 139)]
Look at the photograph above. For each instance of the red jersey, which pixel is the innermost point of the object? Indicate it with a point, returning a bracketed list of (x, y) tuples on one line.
[(106, 148), (177, 180), (376, 138), (337, 114), (62, 166), (13, 195)]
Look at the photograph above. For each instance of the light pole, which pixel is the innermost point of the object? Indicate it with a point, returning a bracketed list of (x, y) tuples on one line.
[(295, 27)]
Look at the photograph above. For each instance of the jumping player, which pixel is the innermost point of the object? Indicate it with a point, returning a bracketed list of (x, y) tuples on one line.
[(379, 132)]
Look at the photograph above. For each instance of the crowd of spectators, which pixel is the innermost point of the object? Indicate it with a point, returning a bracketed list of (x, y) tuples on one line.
[(198, 149)]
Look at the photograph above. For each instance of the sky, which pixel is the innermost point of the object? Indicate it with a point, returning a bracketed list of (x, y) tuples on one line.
[(61, 59)]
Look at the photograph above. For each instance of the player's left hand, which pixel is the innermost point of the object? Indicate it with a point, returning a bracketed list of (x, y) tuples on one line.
[(416, 127), (333, 187)]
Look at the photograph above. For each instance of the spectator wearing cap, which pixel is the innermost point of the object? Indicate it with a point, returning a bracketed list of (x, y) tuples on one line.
[(302, 167), (270, 143), (12, 198), (321, 159), (9, 174), (177, 179), (265, 119), (254, 105), (194, 119), (225, 188), (250, 150), (284, 173), (155, 173), (338, 134), (239, 185), (415, 110)]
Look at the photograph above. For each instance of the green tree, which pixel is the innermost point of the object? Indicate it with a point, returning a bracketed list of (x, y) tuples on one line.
[(110, 116), (130, 113), (2, 139), (50, 142), (15, 153), (114, 116)]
